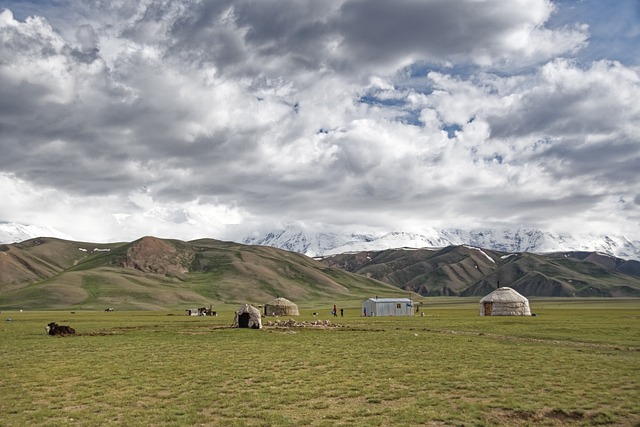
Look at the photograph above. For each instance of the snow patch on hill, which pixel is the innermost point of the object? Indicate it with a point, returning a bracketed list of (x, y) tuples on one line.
[(481, 252)]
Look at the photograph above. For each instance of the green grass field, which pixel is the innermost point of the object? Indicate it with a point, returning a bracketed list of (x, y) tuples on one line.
[(576, 363)]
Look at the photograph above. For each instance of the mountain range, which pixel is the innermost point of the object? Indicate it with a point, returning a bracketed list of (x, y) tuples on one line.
[(315, 242), (152, 273), (326, 242), (470, 271)]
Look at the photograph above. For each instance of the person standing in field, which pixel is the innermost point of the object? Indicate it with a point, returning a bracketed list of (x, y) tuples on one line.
[(335, 311), (342, 312)]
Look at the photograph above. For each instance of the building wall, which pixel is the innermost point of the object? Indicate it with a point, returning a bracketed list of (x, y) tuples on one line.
[(505, 309), (274, 310), (386, 308)]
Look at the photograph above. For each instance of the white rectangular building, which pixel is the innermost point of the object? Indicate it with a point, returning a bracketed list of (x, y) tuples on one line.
[(387, 307)]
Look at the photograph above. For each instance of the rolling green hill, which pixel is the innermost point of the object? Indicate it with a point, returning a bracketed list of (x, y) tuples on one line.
[(467, 271), (152, 273)]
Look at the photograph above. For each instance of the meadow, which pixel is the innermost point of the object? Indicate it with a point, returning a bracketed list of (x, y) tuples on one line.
[(576, 363)]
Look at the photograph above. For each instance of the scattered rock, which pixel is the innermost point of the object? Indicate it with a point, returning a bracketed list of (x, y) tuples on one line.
[(291, 323)]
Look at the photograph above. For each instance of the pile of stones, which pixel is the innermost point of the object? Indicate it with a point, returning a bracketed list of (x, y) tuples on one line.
[(291, 323)]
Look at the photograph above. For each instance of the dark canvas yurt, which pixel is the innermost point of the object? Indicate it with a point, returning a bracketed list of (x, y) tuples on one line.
[(504, 302), (247, 317), (281, 307)]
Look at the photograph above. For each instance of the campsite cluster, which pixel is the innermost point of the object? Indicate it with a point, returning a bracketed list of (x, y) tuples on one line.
[(503, 301)]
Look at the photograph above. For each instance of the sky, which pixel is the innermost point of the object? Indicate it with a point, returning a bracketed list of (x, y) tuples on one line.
[(219, 119)]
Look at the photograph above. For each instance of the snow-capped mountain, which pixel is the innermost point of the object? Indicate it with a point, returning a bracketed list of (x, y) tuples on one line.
[(397, 239), (324, 243), (309, 243), (12, 232), (534, 240)]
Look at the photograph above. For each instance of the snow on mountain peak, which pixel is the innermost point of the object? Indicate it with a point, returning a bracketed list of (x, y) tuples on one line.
[(328, 242), (322, 241), (312, 244), (13, 232)]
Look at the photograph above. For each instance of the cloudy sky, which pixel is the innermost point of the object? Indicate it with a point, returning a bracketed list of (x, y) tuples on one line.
[(189, 119)]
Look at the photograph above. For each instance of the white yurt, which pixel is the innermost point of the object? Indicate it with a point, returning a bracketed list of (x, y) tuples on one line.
[(504, 302), (281, 307), (247, 316)]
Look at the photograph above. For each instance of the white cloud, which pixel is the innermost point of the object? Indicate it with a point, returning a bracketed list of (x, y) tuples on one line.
[(114, 218), (367, 114)]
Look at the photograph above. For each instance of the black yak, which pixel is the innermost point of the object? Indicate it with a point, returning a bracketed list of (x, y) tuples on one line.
[(55, 329)]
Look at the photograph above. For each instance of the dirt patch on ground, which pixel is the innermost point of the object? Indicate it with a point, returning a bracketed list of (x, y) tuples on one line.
[(98, 334), (515, 417), (553, 417), (536, 340)]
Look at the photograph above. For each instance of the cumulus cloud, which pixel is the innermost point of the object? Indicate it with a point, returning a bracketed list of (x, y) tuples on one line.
[(487, 33), (194, 118)]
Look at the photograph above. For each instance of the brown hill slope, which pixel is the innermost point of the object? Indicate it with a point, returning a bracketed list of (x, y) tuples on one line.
[(41, 258), (467, 271), (153, 273)]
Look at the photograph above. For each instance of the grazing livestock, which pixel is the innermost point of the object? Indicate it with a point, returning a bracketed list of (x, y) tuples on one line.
[(108, 309), (204, 311), (55, 329)]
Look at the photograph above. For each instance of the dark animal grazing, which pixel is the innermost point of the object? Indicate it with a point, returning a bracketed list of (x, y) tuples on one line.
[(55, 329), (204, 311), (315, 314), (108, 309)]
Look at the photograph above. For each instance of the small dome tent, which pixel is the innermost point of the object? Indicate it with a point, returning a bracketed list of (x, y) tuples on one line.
[(247, 317), (281, 307), (504, 302)]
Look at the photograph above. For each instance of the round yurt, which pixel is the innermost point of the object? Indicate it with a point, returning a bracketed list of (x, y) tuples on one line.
[(281, 307), (248, 317), (504, 302)]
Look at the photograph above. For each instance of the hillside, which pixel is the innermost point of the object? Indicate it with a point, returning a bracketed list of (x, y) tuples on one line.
[(469, 271), (152, 273)]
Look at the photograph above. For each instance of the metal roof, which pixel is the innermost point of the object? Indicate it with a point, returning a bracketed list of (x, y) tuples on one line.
[(389, 299)]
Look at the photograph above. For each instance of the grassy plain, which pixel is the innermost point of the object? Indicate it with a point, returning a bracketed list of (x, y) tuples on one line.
[(576, 363)]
